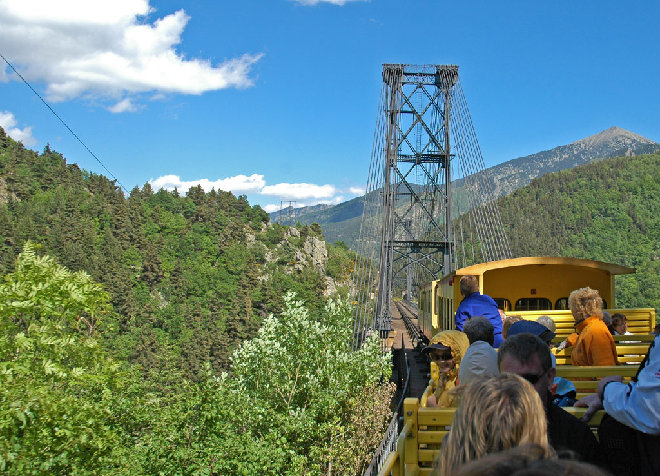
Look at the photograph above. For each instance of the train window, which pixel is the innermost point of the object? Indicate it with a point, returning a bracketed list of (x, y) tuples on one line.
[(533, 304), (504, 304), (562, 304)]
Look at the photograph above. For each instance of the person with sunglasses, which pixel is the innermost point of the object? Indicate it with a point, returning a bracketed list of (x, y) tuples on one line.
[(529, 357), (446, 351)]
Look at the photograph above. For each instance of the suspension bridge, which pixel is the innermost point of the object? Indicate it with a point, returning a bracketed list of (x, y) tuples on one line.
[(429, 203), (429, 209)]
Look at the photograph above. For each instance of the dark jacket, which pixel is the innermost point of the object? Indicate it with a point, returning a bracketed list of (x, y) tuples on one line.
[(567, 432)]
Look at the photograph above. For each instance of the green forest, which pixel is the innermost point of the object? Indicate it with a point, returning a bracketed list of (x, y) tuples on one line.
[(154, 332), (157, 333), (606, 211)]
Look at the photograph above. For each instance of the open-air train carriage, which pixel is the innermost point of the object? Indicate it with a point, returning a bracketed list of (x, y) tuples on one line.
[(529, 286)]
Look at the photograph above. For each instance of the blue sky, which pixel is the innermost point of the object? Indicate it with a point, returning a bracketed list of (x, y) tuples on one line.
[(277, 99)]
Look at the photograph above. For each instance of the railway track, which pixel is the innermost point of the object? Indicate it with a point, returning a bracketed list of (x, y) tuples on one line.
[(408, 314)]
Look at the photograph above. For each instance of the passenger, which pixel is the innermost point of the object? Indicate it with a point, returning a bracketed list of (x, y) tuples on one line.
[(446, 350), (532, 327), (620, 325), (527, 460), (563, 391), (475, 304), (630, 431), (539, 330), (494, 414), (508, 322), (528, 356), (607, 319), (594, 345), (547, 322), (480, 359)]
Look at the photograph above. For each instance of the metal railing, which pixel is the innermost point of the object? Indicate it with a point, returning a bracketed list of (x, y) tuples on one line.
[(387, 446), (388, 443)]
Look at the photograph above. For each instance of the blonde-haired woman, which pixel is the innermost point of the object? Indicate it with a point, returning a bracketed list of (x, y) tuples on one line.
[(494, 414), (595, 345)]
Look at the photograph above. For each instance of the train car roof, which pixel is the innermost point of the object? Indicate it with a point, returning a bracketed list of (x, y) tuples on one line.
[(480, 268)]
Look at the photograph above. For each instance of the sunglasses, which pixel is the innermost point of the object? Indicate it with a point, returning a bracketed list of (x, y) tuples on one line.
[(446, 355), (533, 378)]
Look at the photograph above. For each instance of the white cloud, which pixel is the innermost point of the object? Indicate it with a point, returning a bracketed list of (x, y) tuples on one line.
[(299, 191), (8, 123), (300, 194), (356, 190), (271, 207), (125, 105), (239, 184), (83, 48), (333, 2)]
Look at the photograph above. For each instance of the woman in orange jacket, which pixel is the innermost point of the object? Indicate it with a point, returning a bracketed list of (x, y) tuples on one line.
[(595, 345)]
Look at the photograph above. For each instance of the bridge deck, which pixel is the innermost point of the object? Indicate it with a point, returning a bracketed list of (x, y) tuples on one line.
[(419, 367)]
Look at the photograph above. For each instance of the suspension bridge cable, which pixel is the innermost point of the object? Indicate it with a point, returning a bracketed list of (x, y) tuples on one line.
[(65, 124)]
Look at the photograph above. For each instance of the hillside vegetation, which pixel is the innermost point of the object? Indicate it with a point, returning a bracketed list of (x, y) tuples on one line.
[(168, 334), (188, 276), (606, 211)]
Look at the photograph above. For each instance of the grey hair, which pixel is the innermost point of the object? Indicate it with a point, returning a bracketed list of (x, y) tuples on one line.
[(479, 328), (547, 322)]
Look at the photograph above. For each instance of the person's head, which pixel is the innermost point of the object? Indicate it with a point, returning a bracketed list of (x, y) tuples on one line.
[(508, 322), (469, 284), (527, 460), (620, 323), (532, 327), (479, 328), (584, 303), (446, 350), (547, 322), (528, 356), (441, 355), (494, 414)]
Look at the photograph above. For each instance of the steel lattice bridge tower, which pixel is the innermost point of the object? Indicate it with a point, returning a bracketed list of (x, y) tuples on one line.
[(413, 228)]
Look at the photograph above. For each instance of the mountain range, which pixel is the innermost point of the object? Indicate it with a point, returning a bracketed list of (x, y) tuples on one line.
[(342, 222)]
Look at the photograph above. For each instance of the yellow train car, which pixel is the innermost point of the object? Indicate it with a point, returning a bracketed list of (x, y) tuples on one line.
[(427, 316), (518, 285)]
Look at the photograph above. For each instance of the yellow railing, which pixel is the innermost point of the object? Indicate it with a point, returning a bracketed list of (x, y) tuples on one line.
[(424, 428), (640, 320), (633, 352)]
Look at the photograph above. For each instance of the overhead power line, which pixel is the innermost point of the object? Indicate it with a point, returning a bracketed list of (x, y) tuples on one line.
[(65, 124)]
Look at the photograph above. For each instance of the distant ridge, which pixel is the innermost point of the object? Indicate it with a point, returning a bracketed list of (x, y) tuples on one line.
[(613, 142), (342, 221)]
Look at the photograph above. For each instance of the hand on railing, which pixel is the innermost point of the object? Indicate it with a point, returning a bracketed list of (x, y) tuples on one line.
[(594, 402)]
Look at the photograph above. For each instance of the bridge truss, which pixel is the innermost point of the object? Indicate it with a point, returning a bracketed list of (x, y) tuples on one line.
[(429, 206)]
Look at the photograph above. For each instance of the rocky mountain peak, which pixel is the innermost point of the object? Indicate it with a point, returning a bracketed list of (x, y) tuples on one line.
[(614, 136)]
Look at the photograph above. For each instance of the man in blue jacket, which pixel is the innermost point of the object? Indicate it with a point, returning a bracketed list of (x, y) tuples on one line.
[(476, 304)]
